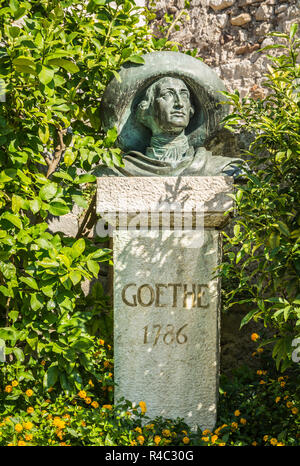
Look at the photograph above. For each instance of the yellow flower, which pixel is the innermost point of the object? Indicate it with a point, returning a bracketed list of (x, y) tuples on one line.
[(21, 443), (82, 394), (143, 407), (157, 439), (254, 336), (234, 425), (254, 443), (222, 444), (205, 439), (15, 383), (140, 439), (30, 410), (280, 444), (101, 342), (206, 432), (57, 422), (280, 379), (107, 406), (95, 404), (186, 440), (28, 437), (273, 441), (265, 438), (88, 400), (91, 383), (8, 388), (138, 429), (133, 443), (27, 425), (295, 410), (166, 433), (262, 382), (277, 399), (243, 421), (282, 384), (109, 347), (18, 428), (260, 350), (184, 432), (83, 423), (149, 426), (43, 363), (289, 404), (237, 412), (214, 438), (259, 372), (29, 392), (106, 364), (59, 434)]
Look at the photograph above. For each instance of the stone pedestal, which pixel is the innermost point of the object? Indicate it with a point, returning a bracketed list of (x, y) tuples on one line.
[(166, 298)]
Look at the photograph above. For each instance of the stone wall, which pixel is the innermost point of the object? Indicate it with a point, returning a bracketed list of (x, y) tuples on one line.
[(228, 33)]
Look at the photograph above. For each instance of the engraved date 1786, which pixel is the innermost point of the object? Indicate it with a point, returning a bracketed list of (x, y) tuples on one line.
[(157, 333)]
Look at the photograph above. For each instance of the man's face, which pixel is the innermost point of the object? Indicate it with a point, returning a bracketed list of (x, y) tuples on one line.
[(172, 107)]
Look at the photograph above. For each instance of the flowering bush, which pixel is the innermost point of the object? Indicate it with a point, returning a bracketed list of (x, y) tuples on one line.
[(255, 408)]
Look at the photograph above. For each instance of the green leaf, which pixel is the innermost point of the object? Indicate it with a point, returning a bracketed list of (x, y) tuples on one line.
[(31, 282), (24, 61), (248, 317), (66, 64), (136, 59), (51, 376), (85, 179), (13, 315), (93, 267), (75, 277), (80, 201), (283, 228), (78, 248), (70, 156), (48, 191), (8, 270), (58, 208), (46, 75), (44, 134), (293, 30), (36, 301), (12, 218), (19, 354)]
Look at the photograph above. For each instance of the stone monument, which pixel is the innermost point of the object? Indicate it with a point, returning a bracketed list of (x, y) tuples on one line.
[(166, 204)]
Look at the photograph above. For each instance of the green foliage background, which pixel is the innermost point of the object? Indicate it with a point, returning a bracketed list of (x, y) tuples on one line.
[(56, 58), (263, 256)]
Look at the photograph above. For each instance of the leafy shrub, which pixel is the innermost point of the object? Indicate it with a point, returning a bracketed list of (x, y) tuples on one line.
[(55, 61), (262, 258)]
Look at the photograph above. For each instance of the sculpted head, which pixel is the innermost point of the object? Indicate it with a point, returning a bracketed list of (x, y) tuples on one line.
[(166, 107)]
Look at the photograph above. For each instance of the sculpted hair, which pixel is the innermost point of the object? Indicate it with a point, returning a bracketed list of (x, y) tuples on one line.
[(143, 115)]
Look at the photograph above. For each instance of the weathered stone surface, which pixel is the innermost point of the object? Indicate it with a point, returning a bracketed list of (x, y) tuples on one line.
[(241, 19), (154, 194), (221, 4), (263, 12), (166, 342)]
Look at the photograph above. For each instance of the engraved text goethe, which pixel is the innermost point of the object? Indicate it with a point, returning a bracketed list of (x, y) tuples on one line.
[(159, 295)]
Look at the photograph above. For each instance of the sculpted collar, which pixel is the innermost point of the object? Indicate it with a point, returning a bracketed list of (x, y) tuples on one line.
[(168, 148)]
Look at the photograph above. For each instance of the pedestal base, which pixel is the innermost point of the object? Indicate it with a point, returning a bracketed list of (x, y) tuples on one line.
[(166, 323)]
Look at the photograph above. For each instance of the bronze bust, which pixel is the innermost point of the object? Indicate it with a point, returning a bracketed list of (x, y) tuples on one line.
[(164, 110)]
